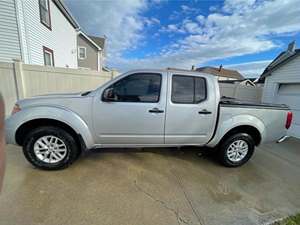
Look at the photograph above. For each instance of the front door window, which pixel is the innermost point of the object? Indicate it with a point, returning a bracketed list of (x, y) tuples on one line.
[(143, 87)]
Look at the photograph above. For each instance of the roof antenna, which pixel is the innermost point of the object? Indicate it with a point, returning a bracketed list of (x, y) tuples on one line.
[(292, 47), (220, 68)]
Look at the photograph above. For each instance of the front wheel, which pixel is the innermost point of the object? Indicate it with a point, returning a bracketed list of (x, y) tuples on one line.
[(236, 150), (50, 148)]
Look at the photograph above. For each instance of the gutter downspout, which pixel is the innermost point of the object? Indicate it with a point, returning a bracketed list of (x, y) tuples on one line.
[(98, 61), (16, 3), (23, 36)]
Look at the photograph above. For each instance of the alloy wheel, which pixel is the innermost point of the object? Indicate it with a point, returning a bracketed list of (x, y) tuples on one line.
[(50, 149), (237, 150)]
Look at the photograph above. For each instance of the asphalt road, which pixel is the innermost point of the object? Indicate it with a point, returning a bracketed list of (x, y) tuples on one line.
[(153, 186)]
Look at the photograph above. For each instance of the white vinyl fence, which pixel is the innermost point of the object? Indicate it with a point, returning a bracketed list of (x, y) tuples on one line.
[(18, 80), (242, 92)]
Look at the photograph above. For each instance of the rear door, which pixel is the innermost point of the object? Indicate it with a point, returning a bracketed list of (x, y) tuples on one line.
[(191, 109)]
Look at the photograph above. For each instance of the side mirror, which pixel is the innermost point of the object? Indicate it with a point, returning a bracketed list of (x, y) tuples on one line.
[(109, 95)]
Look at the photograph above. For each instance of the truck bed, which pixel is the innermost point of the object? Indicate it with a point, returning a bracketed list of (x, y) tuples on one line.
[(231, 102), (269, 118)]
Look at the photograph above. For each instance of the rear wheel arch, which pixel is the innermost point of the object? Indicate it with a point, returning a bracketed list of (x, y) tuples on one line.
[(236, 150), (248, 129), (28, 126)]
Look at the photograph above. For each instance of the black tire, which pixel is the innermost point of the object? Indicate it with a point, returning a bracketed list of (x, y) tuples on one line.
[(71, 155), (224, 147)]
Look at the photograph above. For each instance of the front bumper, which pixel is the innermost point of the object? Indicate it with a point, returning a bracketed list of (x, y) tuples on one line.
[(10, 132)]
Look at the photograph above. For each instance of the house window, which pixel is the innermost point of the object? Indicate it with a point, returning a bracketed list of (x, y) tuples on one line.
[(45, 13), (48, 56), (82, 53)]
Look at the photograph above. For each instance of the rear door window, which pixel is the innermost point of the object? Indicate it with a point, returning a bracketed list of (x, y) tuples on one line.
[(188, 89)]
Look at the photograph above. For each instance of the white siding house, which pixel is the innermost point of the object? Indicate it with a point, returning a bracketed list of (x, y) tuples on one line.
[(282, 85), (9, 38), (37, 42)]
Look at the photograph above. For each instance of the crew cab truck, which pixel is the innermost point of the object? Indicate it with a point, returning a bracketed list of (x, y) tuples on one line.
[(143, 108)]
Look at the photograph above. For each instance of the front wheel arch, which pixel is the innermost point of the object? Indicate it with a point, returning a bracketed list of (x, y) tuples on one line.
[(51, 149), (25, 128)]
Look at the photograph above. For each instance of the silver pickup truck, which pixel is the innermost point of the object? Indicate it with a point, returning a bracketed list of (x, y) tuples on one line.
[(143, 108)]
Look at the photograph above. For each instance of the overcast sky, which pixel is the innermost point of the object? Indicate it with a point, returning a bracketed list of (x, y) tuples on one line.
[(241, 34)]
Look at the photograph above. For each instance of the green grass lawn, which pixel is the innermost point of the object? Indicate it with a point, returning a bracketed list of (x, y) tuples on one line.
[(292, 220)]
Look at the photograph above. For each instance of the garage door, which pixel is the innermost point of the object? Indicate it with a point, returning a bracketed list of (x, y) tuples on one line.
[(289, 94)]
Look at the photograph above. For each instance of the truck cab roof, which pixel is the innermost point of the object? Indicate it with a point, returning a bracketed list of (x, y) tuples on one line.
[(171, 70)]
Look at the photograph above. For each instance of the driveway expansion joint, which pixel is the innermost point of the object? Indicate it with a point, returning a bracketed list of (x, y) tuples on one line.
[(178, 180), (164, 204)]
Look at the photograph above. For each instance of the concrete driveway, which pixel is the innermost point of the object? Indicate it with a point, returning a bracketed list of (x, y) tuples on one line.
[(153, 186)]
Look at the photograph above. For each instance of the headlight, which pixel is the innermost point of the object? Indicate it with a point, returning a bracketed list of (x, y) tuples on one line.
[(15, 109)]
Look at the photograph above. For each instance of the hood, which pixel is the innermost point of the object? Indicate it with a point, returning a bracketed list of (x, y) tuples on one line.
[(58, 95), (53, 99)]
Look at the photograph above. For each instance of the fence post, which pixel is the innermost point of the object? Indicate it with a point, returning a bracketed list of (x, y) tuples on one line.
[(236, 89), (19, 79), (114, 73)]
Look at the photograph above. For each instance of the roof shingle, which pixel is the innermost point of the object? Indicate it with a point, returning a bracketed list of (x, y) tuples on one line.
[(221, 72), (275, 65), (100, 41)]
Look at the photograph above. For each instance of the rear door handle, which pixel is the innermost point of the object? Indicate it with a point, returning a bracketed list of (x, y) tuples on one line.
[(204, 111), (156, 110)]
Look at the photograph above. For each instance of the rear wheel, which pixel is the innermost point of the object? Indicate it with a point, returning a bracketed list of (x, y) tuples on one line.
[(50, 148), (236, 150)]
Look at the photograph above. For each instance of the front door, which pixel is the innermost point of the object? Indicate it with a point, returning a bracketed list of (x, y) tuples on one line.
[(191, 109), (136, 114)]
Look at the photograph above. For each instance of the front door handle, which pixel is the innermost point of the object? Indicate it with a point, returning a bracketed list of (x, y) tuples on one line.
[(204, 111), (156, 110)]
